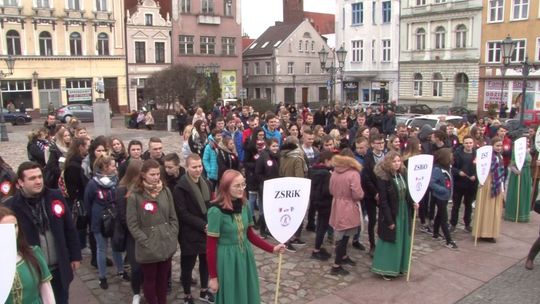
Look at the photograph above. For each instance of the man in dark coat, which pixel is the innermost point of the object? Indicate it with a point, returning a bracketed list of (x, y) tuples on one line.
[(45, 220)]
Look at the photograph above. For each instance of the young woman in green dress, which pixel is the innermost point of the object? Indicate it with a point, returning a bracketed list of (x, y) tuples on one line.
[(231, 263), (32, 282), (391, 256), (523, 185)]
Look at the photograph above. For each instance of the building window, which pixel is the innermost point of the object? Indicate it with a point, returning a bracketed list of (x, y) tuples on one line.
[(74, 5), (268, 68), (520, 9), (101, 5), (494, 52), (246, 69), (185, 6), (437, 85), (440, 37), (290, 68), (417, 84), (256, 69), (13, 43), (140, 52), (519, 51), (10, 2), (373, 50), (43, 3), (208, 45), (420, 2), (308, 68), (313, 46), (148, 19), (386, 11), (306, 46), (207, 6), (228, 46), (495, 9), (461, 36), (357, 13), (420, 39), (186, 44), (440, 1), (386, 50), (75, 44), (103, 44), (357, 50), (228, 9), (160, 52), (373, 11), (45, 44), (300, 45)]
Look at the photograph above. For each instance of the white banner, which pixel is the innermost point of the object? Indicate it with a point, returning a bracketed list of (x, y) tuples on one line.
[(483, 163), (418, 175), (537, 139), (8, 256), (286, 201), (520, 149)]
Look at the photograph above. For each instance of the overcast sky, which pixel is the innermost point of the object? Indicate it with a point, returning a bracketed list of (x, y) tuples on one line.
[(258, 15)]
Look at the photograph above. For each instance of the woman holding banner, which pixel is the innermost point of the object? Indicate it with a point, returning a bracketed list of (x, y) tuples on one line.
[(231, 263), (521, 184), (489, 198), (391, 256)]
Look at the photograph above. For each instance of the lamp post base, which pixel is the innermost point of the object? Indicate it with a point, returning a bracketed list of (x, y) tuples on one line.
[(3, 132)]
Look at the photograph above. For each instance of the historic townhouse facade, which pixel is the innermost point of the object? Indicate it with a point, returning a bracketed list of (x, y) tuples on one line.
[(62, 50), (283, 65), (148, 41), (440, 52), (208, 33), (369, 31), (521, 20)]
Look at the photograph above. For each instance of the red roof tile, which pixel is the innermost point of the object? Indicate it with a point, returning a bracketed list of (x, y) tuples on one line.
[(323, 23), (246, 41)]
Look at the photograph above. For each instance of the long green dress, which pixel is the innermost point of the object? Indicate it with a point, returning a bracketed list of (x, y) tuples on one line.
[(525, 193), (25, 288), (236, 268), (392, 259)]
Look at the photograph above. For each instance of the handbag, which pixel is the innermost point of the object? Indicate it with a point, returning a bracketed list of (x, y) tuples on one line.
[(79, 214), (107, 222)]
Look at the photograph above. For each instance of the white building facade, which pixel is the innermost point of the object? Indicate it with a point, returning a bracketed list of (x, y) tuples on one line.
[(440, 52), (148, 47), (369, 31)]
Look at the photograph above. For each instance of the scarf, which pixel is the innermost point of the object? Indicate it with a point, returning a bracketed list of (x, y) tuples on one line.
[(37, 211), (200, 191), (497, 172), (153, 189)]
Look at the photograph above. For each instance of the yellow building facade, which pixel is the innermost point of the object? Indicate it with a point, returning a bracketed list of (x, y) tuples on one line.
[(521, 21), (63, 50)]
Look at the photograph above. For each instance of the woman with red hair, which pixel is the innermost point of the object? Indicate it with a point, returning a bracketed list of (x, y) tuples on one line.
[(231, 263)]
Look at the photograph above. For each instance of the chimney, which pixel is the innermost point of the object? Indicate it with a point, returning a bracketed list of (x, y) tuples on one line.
[(293, 11)]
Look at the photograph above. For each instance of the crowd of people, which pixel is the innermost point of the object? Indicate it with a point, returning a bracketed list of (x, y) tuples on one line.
[(79, 194)]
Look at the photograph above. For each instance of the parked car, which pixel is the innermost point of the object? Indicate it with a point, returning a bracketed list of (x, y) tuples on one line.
[(434, 121), (16, 118), (405, 118), (413, 108), (82, 112), (447, 110)]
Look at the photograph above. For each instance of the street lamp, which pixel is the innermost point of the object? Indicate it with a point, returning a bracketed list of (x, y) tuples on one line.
[(332, 69), (507, 48), (10, 62)]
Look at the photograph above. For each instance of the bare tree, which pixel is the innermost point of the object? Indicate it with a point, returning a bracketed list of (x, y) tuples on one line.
[(177, 83)]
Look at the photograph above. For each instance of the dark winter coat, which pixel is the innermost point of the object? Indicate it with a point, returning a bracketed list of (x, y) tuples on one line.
[(226, 160), (441, 183), (321, 198), (75, 179), (464, 162), (266, 167), (68, 248), (99, 196), (369, 180)]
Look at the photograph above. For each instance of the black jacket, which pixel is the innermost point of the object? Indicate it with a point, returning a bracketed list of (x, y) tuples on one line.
[(51, 172), (369, 180), (68, 248), (192, 220), (464, 162), (266, 167), (321, 198), (75, 179), (226, 160)]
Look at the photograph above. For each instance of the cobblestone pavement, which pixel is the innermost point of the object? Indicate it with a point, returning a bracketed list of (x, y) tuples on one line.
[(303, 279)]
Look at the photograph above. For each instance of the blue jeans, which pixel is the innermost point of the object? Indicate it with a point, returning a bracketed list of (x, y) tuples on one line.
[(102, 256), (254, 200)]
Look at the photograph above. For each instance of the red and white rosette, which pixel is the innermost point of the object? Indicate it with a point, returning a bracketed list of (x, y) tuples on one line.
[(150, 206), (58, 208), (5, 187)]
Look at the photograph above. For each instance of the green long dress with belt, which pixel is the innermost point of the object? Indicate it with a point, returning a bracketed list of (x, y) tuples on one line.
[(525, 192), (236, 268), (392, 259), (25, 288)]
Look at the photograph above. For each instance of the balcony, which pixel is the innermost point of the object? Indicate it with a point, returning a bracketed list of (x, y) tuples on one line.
[(209, 19)]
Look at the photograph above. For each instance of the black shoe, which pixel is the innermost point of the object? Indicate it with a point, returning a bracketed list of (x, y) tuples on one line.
[(452, 228), (348, 261), (290, 248), (206, 296), (451, 245), (339, 271), (324, 252), (490, 240), (109, 262), (298, 242), (310, 228), (372, 251), (103, 283), (188, 300), (124, 276), (468, 228), (359, 246), (319, 256)]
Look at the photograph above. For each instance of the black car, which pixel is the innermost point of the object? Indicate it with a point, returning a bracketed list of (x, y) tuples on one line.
[(413, 109), (459, 111), (16, 118)]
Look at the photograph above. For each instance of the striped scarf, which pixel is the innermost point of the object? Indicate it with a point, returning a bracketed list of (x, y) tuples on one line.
[(497, 171)]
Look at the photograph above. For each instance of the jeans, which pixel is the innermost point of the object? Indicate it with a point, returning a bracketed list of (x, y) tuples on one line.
[(253, 199), (136, 273), (441, 218), (155, 281), (102, 244), (61, 294), (187, 263), (468, 196)]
